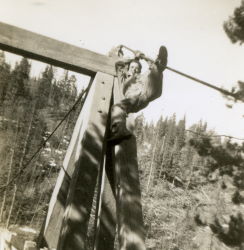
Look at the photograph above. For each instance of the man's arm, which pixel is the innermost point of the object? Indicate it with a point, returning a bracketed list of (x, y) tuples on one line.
[(123, 62), (140, 56)]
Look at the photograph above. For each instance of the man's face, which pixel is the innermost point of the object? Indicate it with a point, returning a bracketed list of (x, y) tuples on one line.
[(134, 68)]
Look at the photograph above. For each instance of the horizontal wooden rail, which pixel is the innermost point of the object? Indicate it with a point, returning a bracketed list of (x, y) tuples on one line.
[(51, 51)]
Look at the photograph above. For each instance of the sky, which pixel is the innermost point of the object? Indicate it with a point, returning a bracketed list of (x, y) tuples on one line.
[(192, 31)]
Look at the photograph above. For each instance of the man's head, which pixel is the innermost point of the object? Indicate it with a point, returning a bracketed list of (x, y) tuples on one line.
[(134, 67)]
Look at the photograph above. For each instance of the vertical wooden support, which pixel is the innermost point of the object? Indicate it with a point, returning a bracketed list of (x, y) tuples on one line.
[(106, 226), (67, 221), (129, 210), (50, 235), (122, 178), (80, 167), (107, 219), (89, 155), (70, 206)]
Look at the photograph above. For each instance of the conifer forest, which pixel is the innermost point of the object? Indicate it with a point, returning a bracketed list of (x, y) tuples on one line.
[(192, 179)]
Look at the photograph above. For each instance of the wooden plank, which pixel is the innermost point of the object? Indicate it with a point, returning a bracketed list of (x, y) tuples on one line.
[(51, 51), (90, 152), (106, 226), (129, 209), (107, 219), (53, 223), (100, 190)]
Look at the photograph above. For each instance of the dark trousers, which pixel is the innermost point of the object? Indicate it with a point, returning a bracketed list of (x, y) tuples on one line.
[(152, 89), (152, 82)]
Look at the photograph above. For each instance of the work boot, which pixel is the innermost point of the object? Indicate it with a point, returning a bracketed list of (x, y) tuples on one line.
[(119, 133), (162, 58)]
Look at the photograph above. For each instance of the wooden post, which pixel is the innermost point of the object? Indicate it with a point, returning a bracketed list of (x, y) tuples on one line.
[(88, 160), (122, 178), (129, 210), (106, 217), (83, 158), (107, 227), (51, 230), (70, 206)]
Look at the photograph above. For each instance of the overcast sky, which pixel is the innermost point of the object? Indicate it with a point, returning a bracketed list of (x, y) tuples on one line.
[(192, 30)]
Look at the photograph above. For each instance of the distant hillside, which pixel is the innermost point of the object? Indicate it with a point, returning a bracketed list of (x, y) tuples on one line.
[(192, 186)]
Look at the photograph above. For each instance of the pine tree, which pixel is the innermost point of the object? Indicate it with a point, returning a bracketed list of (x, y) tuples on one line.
[(139, 123), (45, 87), (4, 79), (234, 27), (19, 80)]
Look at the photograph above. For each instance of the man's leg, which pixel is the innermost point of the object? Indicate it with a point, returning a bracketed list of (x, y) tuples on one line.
[(118, 128), (119, 113), (152, 90), (153, 81)]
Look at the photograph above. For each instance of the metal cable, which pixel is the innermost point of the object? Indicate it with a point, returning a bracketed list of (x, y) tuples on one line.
[(223, 91), (228, 136)]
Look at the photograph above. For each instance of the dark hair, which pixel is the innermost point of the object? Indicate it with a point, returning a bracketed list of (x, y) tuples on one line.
[(138, 62)]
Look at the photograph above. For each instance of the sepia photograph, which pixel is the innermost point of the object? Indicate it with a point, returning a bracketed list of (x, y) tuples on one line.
[(121, 125)]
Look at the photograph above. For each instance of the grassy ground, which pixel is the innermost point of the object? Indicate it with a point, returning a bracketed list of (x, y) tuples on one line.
[(178, 219)]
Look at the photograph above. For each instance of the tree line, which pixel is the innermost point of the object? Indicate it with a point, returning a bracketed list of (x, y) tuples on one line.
[(191, 159), (30, 108)]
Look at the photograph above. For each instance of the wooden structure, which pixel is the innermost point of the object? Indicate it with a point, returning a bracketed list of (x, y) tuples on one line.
[(89, 160)]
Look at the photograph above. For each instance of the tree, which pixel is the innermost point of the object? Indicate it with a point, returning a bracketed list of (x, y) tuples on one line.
[(44, 88), (19, 80), (4, 78), (234, 26), (139, 123)]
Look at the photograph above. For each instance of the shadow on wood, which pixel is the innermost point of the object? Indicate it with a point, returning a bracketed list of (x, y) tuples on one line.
[(70, 205), (129, 209)]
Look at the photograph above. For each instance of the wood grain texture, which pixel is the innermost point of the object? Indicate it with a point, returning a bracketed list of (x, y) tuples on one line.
[(89, 155), (129, 209), (57, 203), (106, 218), (51, 51)]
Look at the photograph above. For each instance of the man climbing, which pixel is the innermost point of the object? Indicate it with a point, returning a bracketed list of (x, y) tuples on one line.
[(138, 89)]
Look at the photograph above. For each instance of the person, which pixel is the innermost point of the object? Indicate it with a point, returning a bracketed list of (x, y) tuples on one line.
[(138, 90)]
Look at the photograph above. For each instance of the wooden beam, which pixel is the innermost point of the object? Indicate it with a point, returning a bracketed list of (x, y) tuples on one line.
[(129, 209), (106, 218), (107, 227), (89, 153), (83, 153), (52, 228), (51, 51)]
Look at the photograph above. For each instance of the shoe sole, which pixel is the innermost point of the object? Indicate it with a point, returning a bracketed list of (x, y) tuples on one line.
[(162, 56)]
